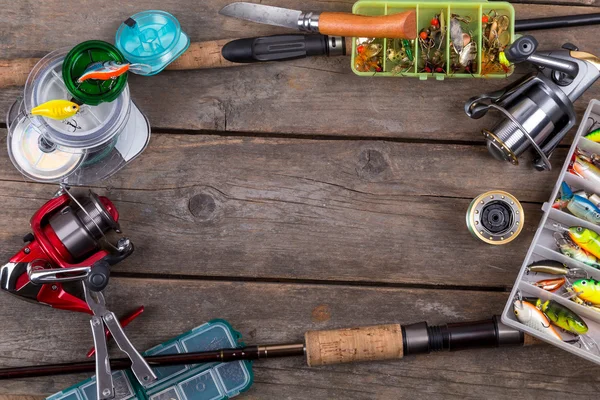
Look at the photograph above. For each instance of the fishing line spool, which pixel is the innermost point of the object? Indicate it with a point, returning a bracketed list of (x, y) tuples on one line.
[(91, 145), (495, 217), (537, 109)]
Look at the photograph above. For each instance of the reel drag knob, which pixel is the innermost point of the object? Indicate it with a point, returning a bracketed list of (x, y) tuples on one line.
[(98, 276)]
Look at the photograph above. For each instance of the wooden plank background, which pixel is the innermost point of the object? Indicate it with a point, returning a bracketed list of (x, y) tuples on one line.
[(296, 196)]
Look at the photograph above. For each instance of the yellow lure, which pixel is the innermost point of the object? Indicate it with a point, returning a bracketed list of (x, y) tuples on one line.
[(56, 109)]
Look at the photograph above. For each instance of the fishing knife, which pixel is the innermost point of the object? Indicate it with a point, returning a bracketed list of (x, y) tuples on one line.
[(401, 25)]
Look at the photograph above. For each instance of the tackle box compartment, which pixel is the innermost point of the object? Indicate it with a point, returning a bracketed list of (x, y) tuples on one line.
[(425, 11), (544, 247), (208, 381)]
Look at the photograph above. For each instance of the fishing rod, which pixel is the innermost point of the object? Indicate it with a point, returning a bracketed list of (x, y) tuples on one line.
[(371, 343), (209, 54)]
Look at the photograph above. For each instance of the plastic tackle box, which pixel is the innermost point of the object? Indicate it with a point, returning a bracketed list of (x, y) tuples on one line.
[(425, 11), (211, 381), (544, 247)]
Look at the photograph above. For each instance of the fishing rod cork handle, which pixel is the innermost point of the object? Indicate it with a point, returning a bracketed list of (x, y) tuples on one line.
[(388, 342)]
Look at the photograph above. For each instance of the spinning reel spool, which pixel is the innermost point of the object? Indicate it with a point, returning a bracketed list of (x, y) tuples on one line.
[(495, 217), (538, 109)]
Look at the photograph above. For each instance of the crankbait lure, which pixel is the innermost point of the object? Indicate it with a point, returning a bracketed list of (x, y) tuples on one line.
[(585, 238), (594, 135), (562, 317), (551, 285), (551, 267), (571, 250), (110, 70), (578, 205), (587, 290), (529, 315), (56, 109), (586, 170)]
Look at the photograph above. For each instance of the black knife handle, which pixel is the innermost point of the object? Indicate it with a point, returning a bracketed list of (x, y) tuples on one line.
[(282, 47)]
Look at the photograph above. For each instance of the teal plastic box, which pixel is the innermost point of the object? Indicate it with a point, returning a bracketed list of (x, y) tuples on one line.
[(211, 381), (425, 11)]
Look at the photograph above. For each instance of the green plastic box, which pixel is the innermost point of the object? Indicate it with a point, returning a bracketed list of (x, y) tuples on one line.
[(425, 11)]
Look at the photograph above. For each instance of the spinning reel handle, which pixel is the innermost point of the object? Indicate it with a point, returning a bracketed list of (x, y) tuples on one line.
[(523, 49)]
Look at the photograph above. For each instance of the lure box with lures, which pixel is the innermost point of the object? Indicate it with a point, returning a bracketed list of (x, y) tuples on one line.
[(89, 146), (545, 249), (211, 381), (426, 11)]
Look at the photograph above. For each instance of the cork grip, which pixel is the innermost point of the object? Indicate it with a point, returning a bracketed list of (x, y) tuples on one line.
[(396, 26), (371, 343)]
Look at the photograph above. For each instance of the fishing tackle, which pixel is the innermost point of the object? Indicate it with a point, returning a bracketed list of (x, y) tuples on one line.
[(562, 317), (583, 167), (495, 217), (593, 135), (400, 52), (586, 238), (367, 58), (495, 38), (432, 41), (537, 110), (551, 285), (587, 290), (56, 109), (529, 315), (553, 267), (106, 70), (571, 250), (580, 206)]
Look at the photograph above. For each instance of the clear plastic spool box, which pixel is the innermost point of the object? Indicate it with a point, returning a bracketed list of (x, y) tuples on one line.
[(544, 247), (92, 145)]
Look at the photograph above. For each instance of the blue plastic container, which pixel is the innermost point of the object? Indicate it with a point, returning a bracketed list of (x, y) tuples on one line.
[(153, 38)]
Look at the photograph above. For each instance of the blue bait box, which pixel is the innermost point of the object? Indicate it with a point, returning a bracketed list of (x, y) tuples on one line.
[(545, 247), (153, 38), (210, 381)]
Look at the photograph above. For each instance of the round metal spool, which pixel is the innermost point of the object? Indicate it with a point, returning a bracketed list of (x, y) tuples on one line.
[(495, 217), (92, 91)]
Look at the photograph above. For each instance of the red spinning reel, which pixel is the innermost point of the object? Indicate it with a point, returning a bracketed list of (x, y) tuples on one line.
[(65, 246)]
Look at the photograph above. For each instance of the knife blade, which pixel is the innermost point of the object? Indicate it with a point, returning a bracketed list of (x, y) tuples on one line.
[(401, 25)]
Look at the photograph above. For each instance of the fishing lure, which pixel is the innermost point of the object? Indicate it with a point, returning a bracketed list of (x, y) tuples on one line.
[(56, 109), (367, 57), (594, 135), (586, 238), (578, 205), (456, 34), (529, 315), (551, 267), (551, 285), (562, 317), (587, 290), (586, 169), (106, 70), (571, 250)]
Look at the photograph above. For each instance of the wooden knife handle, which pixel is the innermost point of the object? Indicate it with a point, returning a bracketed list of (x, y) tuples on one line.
[(396, 26)]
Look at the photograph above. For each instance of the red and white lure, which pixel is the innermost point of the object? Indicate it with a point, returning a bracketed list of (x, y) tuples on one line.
[(106, 70)]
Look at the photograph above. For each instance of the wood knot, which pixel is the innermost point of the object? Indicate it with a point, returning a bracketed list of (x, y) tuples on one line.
[(203, 206), (321, 313), (371, 163)]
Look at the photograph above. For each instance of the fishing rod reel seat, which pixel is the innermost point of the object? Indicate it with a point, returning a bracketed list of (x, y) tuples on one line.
[(538, 109)]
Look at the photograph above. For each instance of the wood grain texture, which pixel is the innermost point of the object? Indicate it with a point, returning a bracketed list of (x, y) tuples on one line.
[(361, 211), (282, 98), (401, 25), (175, 306)]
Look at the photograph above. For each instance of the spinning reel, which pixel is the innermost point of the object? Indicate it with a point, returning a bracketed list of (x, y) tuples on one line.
[(538, 109), (66, 246)]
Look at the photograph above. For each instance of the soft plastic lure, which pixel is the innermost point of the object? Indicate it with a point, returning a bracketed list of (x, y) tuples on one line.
[(594, 135), (109, 70), (587, 290), (570, 249), (586, 238), (529, 315), (578, 205), (562, 317), (586, 170), (551, 285), (56, 109)]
